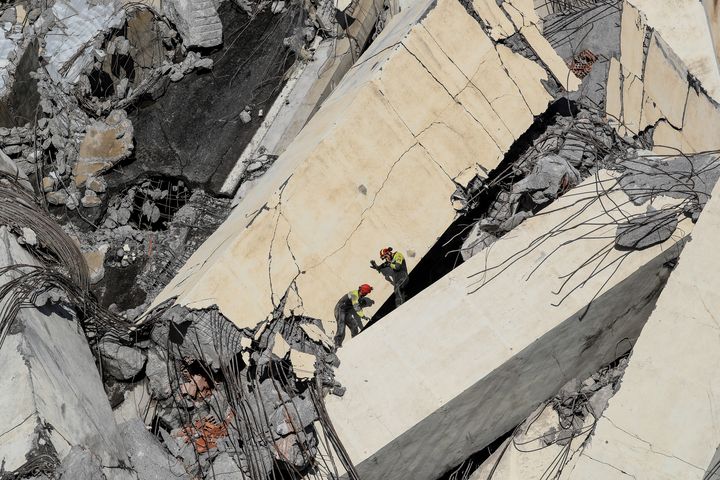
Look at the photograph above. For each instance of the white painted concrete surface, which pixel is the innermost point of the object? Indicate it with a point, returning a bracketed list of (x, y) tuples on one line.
[(663, 424), (453, 369)]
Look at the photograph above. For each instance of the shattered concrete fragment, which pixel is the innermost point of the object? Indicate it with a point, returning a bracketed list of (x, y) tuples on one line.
[(148, 457), (95, 260), (316, 334), (303, 364), (645, 230), (476, 241), (90, 199), (29, 237), (197, 21), (648, 175), (105, 144), (599, 401), (96, 184), (157, 373), (225, 468), (551, 176), (80, 464), (57, 198), (137, 403), (120, 361), (48, 184), (294, 417), (8, 166), (75, 24)]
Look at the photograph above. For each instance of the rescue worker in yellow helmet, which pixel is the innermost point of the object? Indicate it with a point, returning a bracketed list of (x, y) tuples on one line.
[(349, 311), (393, 268)]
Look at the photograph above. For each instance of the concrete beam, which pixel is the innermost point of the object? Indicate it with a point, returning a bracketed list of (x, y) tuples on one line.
[(469, 357), (683, 25), (712, 10), (53, 397), (663, 422), (304, 92)]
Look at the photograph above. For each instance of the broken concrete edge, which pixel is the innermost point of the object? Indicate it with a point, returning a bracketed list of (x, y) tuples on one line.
[(236, 175), (68, 409), (304, 92), (662, 98), (183, 337)]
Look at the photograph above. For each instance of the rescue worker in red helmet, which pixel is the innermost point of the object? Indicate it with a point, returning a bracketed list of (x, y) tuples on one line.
[(349, 311), (394, 269)]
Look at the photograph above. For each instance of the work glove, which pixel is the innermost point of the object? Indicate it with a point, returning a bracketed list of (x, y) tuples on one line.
[(374, 265)]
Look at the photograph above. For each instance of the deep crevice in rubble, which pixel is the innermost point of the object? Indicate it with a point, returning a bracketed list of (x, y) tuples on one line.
[(156, 200), (227, 104), (445, 255)]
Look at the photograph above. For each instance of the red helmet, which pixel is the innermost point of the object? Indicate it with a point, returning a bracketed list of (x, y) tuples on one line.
[(364, 289), (386, 252)]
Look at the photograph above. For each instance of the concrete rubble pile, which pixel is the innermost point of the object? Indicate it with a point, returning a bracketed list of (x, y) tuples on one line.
[(69, 126), (559, 161), (207, 385), (60, 422), (72, 68), (150, 228), (571, 149), (240, 401)]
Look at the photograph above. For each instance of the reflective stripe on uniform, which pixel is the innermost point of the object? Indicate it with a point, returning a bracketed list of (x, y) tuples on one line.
[(354, 296), (397, 261)]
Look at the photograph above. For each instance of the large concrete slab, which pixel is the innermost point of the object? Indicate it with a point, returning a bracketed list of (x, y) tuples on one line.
[(376, 165), (469, 357), (663, 423), (53, 397), (712, 10)]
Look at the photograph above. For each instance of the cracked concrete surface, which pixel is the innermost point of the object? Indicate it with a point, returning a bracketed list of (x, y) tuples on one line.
[(376, 165), (485, 344), (670, 384), (652, 88)]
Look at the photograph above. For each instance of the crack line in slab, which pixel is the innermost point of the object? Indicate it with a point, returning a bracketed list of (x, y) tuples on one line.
[(650, 445), (18, 425), (507, 72), (421, 132), (470, 82), (437, 163), (709, 312), (609, 465), (278, 207), (454, 98), (362, 215)]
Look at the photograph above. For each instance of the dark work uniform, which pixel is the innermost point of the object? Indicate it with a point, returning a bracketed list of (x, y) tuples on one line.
[(397, 273), (348, 311)]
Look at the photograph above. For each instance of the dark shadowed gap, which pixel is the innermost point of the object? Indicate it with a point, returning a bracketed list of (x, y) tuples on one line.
[(474, 461), (445, 255)]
